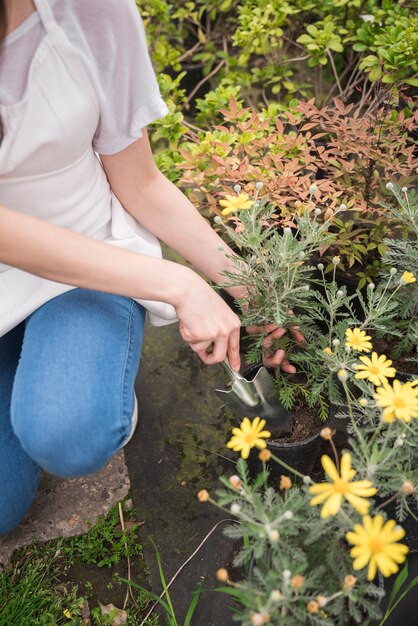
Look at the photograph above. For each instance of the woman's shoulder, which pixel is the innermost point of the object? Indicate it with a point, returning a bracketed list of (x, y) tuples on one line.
[(98, 13)]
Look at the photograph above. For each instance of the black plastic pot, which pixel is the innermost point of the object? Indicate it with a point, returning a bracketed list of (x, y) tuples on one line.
[(300, 455)]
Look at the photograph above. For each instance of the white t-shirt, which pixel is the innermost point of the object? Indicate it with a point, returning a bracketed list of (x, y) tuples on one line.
[(110, 37)]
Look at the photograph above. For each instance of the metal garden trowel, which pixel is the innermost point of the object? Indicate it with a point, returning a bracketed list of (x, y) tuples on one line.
[(256, 398)]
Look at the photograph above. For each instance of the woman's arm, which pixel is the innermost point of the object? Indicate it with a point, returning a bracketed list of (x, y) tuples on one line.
[(162, 208), (61, 255), (157, 204)]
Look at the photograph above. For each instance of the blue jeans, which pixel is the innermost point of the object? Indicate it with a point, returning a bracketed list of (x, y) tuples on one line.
[(66, 392)]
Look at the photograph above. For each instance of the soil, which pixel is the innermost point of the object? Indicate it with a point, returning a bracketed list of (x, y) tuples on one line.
[(402, 364), (306, 423)]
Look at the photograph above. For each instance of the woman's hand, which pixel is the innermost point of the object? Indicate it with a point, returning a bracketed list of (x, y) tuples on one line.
[(208, 325), (278, 358)]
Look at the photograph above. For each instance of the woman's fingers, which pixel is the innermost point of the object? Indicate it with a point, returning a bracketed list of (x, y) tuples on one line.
[(259, 330), (297, 335), (275, 334), (234, 357)]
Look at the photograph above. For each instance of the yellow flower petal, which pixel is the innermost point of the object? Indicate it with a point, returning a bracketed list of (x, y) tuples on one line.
[(329, 467)]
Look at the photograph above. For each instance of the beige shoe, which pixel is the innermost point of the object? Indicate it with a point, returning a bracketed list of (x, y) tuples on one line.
[(134, 423)]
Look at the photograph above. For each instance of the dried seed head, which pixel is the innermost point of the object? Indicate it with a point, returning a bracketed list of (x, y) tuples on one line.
[(276, 595), (235, 481), (285, 483), (349, 582), (327, 433), (312, 607), (222, 575), (408, 487), (297, 582), (265, 455)]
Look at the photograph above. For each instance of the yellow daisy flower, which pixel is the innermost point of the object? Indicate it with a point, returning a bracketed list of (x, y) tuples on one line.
[(407, 278), (375, 544), (399, 401), (248, 436), (358, 340), (232, 204), (376, 369), (341, 487)]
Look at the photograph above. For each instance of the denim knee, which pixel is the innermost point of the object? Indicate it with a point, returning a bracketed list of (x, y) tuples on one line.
[(61, 445)]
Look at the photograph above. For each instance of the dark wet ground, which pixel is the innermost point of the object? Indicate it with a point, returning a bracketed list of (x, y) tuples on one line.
[(179, 448)]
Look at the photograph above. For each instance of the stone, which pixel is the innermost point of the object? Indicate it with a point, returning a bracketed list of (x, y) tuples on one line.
[(67, 507)]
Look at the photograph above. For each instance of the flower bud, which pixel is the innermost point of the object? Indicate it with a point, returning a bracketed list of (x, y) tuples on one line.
[(343, 207), (235, 509), (286, 575), (235, 481), (259, 186), (265, 455), (307, 480), (340, 293), (313, 189), (305, 287), (287, 515), (393, 271), (297, 582), (404, 189), (336, 260), (327, 351), (320, 266), (389, 186), (371, 286), (399, 442), (287, 230), (363, 402), (258, 619), (273, 535), (218, 219), (342, 375), (237, 188), (349, 582), (285, 483), (203, 495), (336, 343), (222, 575), (408, 487), (317, 211), (322, 601)]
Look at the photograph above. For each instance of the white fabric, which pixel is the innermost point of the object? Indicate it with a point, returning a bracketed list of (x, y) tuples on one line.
[(110, 38), (48, 169)]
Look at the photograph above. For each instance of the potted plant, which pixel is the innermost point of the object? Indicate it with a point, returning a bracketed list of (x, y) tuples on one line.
[(283, 287), (319, 548)]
